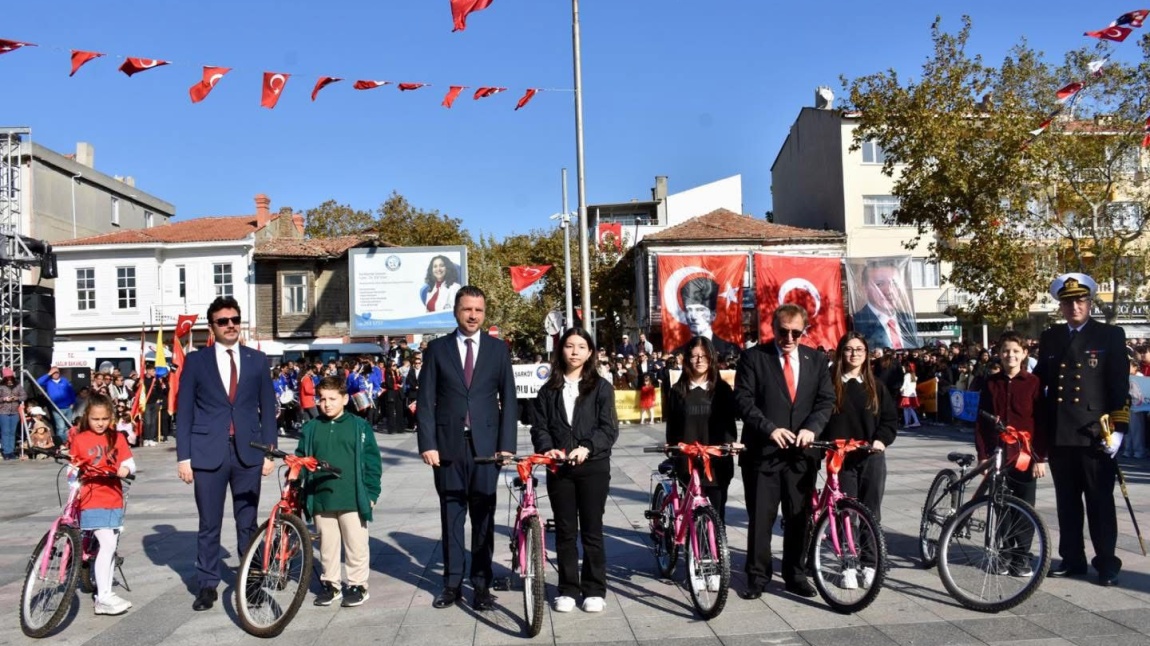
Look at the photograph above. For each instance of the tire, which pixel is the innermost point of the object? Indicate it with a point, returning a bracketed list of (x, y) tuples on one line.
[(708, 568), (939, 508), (44, 602), (534, 577), (839, 573), (663, 533), (266, 603), (984, 579)]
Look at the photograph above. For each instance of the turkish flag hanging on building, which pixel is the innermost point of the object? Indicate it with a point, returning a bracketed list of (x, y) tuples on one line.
[(816, 284), (611, 232), (136, 65), (274, 83), (702, 296), (524, 276), (80, 57), (323, 82), (460, 9), (212, 75)]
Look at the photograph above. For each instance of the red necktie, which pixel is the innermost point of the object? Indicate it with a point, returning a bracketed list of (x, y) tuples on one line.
[(468, 371), (789, 375), (895, 339), (232, 382)]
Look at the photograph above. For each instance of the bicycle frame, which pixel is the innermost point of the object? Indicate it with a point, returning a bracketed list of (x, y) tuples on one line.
[(525, 467), (823, 502), (289, 502), (69, 515), (683, 504)]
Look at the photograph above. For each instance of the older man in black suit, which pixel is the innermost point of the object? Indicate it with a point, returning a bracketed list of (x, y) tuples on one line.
[(784, 395), (466, 408)]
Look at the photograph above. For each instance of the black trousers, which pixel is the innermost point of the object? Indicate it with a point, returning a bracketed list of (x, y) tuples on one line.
[(777, 479), (863, 477), (467, 489), (1085, 475), (578, 500), (153, 417)]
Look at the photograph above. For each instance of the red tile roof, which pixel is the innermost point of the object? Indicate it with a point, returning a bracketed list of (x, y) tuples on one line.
[(211, 229), (313, 247), (728, 226)]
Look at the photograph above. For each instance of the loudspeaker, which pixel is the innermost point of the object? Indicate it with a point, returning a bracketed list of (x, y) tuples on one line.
[(39, 323)]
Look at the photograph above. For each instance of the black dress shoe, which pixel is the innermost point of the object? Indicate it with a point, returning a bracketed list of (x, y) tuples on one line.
[(750, 594), (1065, 570), (1108, 580), (205, 599), (483, 600), (801, 587), (449, 597)]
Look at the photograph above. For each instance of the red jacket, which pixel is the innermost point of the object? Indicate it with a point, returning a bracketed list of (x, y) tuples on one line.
[(307, 392)]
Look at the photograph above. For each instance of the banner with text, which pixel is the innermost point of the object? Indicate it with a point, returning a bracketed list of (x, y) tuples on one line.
[(529, 378), (404, 290), (815, 284), (882, 301), (702, 296)]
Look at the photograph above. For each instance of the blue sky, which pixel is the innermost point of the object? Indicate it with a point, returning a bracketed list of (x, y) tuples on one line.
[(693, 90)]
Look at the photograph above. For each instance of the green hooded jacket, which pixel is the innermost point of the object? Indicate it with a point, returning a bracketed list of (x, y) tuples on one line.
[(368, 469)]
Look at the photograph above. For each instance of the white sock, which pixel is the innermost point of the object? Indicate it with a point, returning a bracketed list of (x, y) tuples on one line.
[(103, 568)]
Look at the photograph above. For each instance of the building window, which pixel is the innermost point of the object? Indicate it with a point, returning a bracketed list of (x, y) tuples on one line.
[(923, 274), (878, 210), (116, 211), (1125, 216), (182, 280), (126, 287), (873, 153), (149, 219), (86, 289), (294, 294), (222, 279)]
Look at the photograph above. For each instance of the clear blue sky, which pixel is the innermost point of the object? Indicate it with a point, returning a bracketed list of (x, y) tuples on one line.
[(693, 90)]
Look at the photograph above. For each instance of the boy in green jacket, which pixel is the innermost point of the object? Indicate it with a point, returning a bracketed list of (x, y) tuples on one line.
[(341, 505)]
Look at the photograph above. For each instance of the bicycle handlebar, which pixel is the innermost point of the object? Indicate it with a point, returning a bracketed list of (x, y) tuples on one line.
[(831, 446), (994, 419), (674, 448), (273, 452), (505, 459)]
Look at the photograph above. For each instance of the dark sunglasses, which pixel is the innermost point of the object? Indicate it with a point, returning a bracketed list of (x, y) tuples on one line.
[(794, 334), (224, 320)]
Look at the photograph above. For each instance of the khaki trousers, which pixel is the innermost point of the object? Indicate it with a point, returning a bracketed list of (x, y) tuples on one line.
[(348, 529)]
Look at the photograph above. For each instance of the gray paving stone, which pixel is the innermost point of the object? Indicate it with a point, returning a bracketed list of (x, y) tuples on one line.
[(1079, 624), (1003, 629), (855, 636), (936, 633)]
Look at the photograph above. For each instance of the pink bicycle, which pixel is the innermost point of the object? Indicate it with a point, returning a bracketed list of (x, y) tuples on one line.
[(62, 560), (686, 518)]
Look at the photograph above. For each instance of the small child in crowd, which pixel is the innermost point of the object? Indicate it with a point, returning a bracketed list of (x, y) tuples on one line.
[(126, 427), (341, 505), (647, 400)]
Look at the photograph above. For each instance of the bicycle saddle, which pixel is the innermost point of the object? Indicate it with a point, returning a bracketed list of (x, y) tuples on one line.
[(961, 459), (666, 467)]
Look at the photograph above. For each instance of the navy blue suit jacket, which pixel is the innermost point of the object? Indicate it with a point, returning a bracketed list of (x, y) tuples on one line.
[(204, 414), (866, 323)]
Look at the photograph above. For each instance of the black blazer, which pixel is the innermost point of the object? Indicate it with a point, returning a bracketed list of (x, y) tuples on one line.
[(763, 402), (721, 428), (596, 425)]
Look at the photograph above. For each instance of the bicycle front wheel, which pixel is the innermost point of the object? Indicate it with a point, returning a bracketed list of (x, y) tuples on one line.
[(993, 556), (663, 532), (848, 556), (534, 576), (939, 508), (50, 582), (268, 599), (708, 563)]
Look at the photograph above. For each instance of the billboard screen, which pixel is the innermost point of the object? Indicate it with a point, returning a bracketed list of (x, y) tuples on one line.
[(404, 290)]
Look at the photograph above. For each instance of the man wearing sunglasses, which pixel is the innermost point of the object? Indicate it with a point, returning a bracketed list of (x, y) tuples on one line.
[(784, 394), (226, 402)]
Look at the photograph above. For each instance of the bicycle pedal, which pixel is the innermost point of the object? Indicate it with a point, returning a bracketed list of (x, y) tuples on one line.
[(652, 514), (502, 583)]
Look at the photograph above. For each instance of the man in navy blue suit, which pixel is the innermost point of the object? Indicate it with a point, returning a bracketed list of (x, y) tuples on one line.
[(466, 408), (226, 402)]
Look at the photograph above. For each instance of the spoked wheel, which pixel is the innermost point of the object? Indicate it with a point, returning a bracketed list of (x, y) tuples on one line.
[(993, 556), (534, 577), (267, 600), (663, 533), (848, 556), (708, 563), (939, 508), (50, 582)]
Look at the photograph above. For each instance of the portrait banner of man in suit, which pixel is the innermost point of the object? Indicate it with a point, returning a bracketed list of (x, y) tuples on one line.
[(882, 301), (702, 296), (815, 284)]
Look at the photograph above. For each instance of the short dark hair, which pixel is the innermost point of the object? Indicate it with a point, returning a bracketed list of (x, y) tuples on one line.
[(1013, 337), (469, 290), (789, 311), (222, 303), (332, 383)]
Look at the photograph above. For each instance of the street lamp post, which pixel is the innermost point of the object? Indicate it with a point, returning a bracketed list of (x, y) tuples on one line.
[(566, 221), (581, 189)]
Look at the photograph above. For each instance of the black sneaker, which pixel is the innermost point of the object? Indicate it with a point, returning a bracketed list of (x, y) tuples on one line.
[(356, 595), (329, 594)]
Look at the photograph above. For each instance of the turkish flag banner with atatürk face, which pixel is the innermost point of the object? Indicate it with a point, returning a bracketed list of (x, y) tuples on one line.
[(524, 276), (702, 296), (815, 284)]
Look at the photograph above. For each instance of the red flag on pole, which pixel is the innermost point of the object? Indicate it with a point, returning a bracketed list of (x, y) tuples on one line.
[(12, 45), (184, 323), (1068, 91), (1116, 34), (485, 92), (611, 233), (452, 95), (80, 57), (524, 276), (212, 75), (461, 8), (136, 65), (274, 83), (404, 87), (323, 82), (1132, 18), (370, 85), (174, 379)]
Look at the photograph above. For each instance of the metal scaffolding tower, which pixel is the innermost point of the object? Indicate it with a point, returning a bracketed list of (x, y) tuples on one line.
[(15, 144)]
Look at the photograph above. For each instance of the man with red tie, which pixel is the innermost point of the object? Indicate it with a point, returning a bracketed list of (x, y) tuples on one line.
[(784, 394), (885, 320), (226, 401)]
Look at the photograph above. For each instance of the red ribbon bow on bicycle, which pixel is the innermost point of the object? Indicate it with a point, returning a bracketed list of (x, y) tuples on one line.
[(525, 465), (1014, 437), (700, 450), (836, 456)]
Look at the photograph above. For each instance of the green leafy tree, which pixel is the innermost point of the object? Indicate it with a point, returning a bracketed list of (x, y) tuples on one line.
[(404, 225), (332, 219)]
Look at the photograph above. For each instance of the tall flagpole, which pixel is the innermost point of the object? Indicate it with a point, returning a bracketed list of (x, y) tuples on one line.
[(566, 220), (584, 257)]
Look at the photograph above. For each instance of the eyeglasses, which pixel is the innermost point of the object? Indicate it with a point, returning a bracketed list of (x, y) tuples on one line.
[(224, 320), (850, 350), (794, 334), (700, 357)]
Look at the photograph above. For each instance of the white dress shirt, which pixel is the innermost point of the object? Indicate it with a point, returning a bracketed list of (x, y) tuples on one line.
[(794, 362), (223, 362), (884, 321), (459, 341), (570, 394)]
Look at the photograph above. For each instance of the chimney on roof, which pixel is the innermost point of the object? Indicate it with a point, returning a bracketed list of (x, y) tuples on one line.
[(263, 210), (86, 154), (824, 98), (297, 220), (659, 193), (130, 181)]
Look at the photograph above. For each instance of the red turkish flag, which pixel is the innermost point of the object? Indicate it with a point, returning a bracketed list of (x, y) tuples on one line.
[(452, 95), (404, 87), (80, 57), (526, 98), (1116, 34), (702, 296), (212, 75), (485, 92), (370, 85), (812, 283), (274, 83), (460, 9), (136, 65), (1068, 91), (184, 324), (1146, 137), (174, 380), (611, 232), (524, 276), (323, 82), (12, 45)]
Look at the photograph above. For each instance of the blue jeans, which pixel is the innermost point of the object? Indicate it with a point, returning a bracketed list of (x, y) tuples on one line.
[(1134, 444), (8, 426), (63, 423)]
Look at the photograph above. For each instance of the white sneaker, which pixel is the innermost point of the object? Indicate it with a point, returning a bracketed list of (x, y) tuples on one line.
[(594, 604), (850, 579), (713, 581), (868, 577), (564, 604), (112, 605)]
